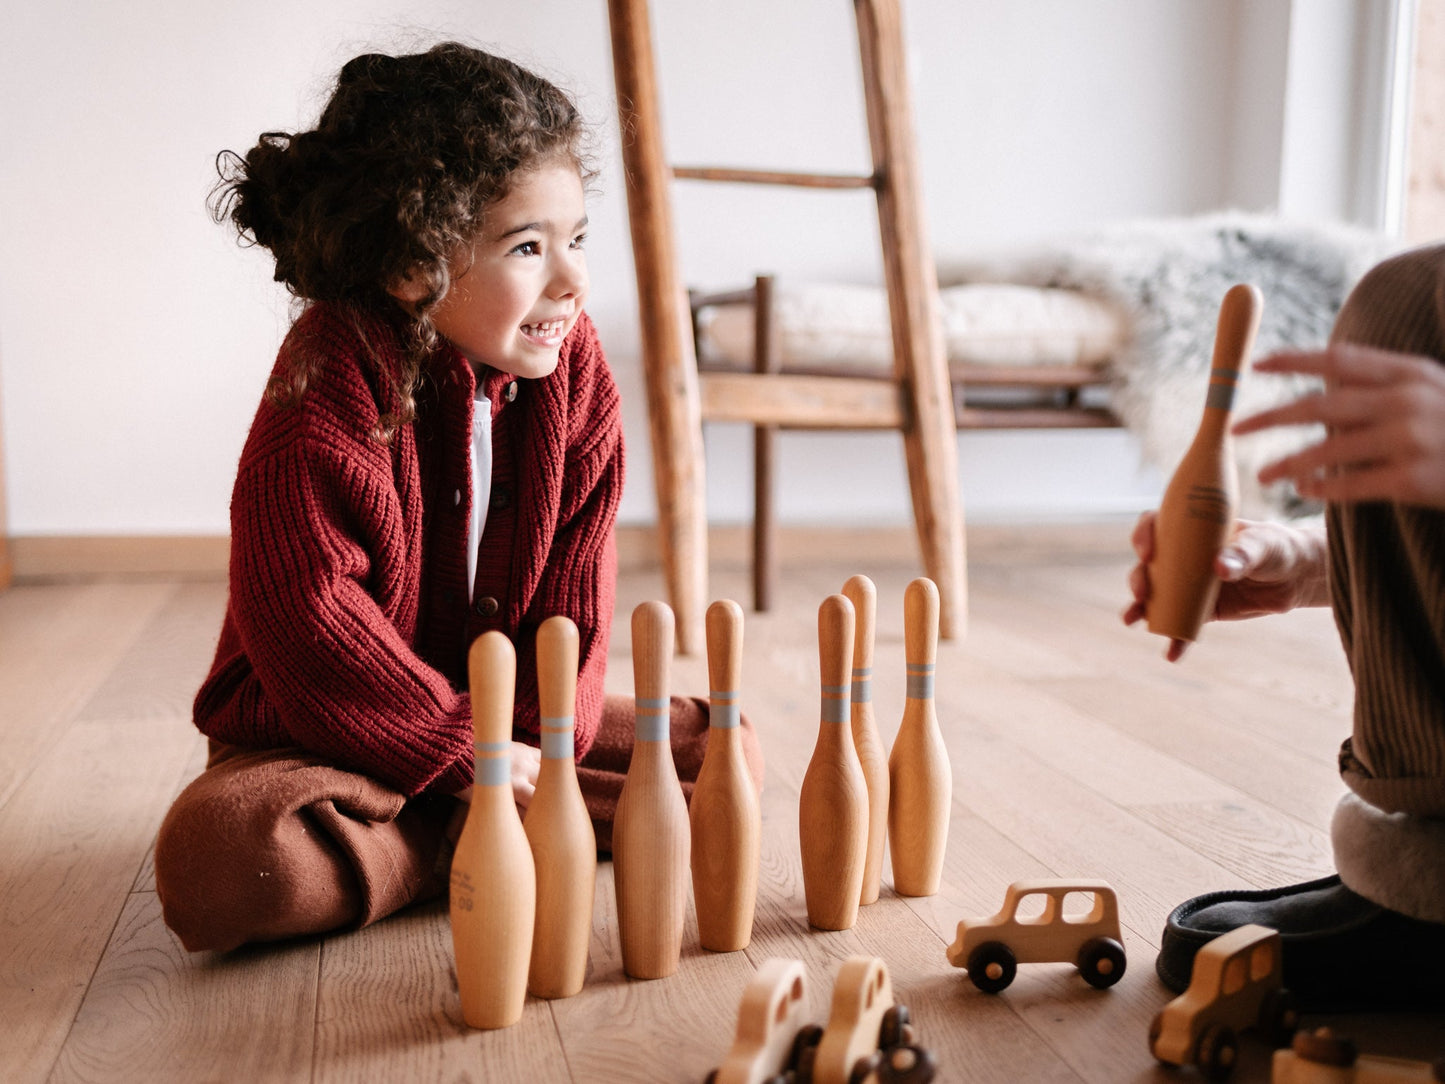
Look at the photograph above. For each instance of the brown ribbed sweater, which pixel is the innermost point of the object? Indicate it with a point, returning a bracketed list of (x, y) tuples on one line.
[(347, 625), (1387, 573)]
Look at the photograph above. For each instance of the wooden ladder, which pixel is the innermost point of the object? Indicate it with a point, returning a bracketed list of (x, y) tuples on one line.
[(916, 401)]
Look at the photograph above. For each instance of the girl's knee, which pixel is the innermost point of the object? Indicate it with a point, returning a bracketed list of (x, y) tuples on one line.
[(230, 870)]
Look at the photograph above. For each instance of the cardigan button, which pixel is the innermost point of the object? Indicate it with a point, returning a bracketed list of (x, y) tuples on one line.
[(456, 498), (512, 391), (487, 606), (501, 497)]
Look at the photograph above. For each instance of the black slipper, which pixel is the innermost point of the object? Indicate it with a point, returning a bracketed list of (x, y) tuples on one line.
[(1341, 952)]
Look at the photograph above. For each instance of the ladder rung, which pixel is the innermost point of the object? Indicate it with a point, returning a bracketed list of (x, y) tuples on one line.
[(764, 176)]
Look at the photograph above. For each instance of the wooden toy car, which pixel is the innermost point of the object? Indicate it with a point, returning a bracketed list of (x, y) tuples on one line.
[(769, 1020), (868, 1039), (1235, 985), (1320, 1057), (867, 1036), (992, 948)]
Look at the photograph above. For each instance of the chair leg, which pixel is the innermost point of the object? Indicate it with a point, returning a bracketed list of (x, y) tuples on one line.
[(765, 527), (929, 439), (673, 408)]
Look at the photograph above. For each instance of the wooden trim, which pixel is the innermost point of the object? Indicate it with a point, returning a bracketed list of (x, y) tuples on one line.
[(802, 402), (65, 557), (774, 177)]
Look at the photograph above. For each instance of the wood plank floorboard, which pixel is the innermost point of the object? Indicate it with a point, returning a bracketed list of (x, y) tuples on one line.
[(1076, 750)]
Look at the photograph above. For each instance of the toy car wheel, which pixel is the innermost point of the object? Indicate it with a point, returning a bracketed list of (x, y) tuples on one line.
[(991, 966), (907, 1065), (1278, 1017), (808, 1038), (1101, 962), (1217, 1052), (1323, 1047), (865, 1067), (895, 1029)]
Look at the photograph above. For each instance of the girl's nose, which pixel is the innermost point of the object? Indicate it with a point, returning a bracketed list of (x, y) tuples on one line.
[(569, 276)]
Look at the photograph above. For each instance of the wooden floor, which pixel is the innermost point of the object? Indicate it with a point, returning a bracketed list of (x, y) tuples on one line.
[(1076, 751)]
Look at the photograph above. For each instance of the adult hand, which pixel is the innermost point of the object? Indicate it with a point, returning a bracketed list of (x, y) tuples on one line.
[(1385, 420), (1264, 568)]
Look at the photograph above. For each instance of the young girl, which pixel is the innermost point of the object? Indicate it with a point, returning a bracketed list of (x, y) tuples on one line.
[(438, 454)]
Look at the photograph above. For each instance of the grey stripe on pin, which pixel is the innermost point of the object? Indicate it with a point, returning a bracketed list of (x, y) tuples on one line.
[(724, 715), (486, 748), (557, 745), (653, 727), (494, 772), (1220, 397), (920, 686), (835, 711), (558, 722)]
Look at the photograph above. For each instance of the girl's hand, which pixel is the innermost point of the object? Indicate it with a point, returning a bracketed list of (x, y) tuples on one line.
[(1385, 416), (1264, 568), (526, 764)]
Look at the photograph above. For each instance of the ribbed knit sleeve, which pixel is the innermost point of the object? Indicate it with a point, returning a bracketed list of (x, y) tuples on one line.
[(1387, 574), (317, 651)]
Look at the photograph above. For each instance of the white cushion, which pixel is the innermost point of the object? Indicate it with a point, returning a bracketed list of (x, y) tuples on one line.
[(835, 326)]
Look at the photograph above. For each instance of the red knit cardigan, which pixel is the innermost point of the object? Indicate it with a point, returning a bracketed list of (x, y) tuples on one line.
[(347, 627)]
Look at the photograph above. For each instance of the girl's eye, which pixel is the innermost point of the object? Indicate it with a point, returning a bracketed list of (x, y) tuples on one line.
[(580, 241), (528, 248)]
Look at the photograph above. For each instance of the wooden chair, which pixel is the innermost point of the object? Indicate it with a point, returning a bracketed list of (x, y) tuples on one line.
[(914, 400), (987, 392)]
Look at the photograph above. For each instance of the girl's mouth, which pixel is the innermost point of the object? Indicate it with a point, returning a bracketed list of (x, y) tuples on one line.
[(548, 333)]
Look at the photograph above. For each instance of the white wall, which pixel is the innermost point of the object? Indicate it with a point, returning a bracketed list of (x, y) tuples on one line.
[(135, 335)]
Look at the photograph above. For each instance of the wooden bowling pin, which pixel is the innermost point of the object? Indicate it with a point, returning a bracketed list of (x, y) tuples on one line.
[(1197, 512), (833, 801), (564, 845), (651, 836), (919, 774), (725, 813), (493, 879), (871, 755)]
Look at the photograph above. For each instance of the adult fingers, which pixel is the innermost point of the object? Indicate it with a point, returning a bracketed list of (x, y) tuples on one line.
[(1347, 363), (1347, 450), (1338, 408)]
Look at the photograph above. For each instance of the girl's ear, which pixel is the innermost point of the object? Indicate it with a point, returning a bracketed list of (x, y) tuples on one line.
[(409, 288)]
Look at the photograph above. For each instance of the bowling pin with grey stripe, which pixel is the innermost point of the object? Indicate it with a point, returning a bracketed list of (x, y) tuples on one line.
[(559, 829), (651, 838), (493, 878), (920, 777), (872, 755), (833, 800), (725, 814)]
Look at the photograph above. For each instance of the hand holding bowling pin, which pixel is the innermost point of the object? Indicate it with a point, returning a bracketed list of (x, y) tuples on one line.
[(1264, 568)]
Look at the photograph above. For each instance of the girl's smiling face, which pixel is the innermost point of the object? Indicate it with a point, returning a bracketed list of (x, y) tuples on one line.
[(518, 291)]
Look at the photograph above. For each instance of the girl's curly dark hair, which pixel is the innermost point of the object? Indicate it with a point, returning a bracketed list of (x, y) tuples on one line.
[(391, 183)]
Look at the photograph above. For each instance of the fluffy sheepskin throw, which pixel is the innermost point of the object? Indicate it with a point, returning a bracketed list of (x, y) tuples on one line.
[(1168, 277)]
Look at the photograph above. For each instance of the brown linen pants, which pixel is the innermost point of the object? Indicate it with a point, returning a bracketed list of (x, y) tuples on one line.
[(271, 844)]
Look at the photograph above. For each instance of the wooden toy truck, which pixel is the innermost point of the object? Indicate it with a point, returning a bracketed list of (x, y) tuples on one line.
[(868, 1039), (1319, 1057), (992, 948), (1235, 985)]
